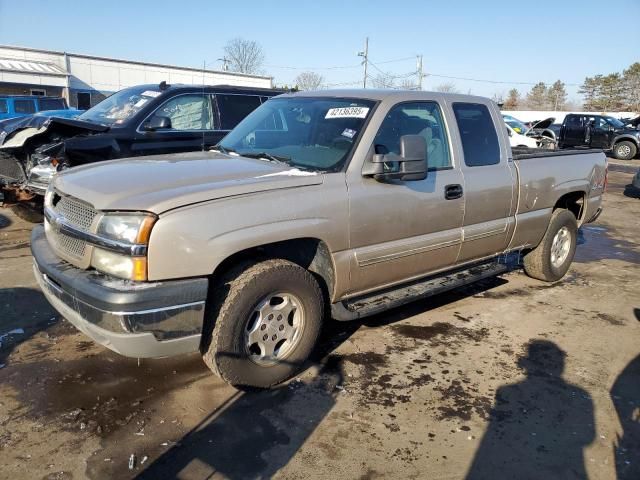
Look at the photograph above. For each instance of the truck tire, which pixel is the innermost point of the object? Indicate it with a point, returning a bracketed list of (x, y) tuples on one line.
[(625, 150), (264, 321), (551, 259)]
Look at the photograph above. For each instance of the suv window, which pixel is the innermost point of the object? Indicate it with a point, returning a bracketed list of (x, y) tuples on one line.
[(187, 112), (51, 104), (234, 108), (24, 106), (415, 118), (478, 134), (3, 106)]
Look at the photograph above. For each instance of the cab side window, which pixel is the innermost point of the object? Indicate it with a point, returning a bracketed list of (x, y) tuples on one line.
[(233, 108), (415, 118), (3, 106), (187, 112), (478, 134)]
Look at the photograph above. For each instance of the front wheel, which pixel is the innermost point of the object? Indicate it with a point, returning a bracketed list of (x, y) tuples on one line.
[(624, 150), (551, 259), (264, 323)]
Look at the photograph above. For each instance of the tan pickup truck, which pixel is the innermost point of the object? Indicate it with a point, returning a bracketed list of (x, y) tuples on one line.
[(335, 203)]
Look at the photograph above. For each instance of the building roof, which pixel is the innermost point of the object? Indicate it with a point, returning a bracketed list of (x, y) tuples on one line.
[(132, 62), (30, 66)]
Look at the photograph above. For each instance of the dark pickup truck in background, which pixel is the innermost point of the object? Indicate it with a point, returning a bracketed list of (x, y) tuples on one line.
[(599, 131), (140, 120)]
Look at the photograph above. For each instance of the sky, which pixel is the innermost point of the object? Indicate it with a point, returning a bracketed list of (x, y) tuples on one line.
[(516, 43)]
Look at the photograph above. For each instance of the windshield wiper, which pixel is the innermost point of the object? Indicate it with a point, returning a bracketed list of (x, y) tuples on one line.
[(268, 156), (222, 149)]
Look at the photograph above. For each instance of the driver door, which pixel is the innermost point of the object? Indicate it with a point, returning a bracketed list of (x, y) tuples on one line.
[(406, 229), (191, 126)]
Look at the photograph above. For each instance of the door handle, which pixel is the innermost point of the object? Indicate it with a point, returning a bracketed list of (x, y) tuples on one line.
[(451, 192)]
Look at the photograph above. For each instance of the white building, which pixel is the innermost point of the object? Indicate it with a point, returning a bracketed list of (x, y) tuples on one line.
[(84, 80)]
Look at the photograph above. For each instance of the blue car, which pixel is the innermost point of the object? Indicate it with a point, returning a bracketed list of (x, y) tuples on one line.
[(14, 106)]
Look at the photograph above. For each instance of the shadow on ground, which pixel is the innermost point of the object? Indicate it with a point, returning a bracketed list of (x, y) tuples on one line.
[(255, 434), (4, 221), (625, 395), (631, 191), (596, 243), (25, 312), (538, 427)]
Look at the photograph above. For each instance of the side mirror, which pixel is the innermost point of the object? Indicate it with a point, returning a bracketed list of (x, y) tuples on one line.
[(411, 164), (509, 132), (157, 122)]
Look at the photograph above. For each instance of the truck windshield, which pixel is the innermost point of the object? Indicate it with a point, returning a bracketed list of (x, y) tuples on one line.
[(309, 133), (614, 122), (120, 107)]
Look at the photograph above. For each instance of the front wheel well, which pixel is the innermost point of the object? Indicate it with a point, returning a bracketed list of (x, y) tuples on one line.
[(310, 253), (574, 202)]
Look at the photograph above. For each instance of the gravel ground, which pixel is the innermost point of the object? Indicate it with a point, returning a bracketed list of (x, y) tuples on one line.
[(509, 378)]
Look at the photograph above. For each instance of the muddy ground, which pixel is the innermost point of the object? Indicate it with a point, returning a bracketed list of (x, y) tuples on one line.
[(510, 378)]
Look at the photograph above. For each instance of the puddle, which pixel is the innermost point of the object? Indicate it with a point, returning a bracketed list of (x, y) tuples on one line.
[(595, 243)]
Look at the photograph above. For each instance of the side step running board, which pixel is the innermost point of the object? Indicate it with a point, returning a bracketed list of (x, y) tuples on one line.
[(377, 302)]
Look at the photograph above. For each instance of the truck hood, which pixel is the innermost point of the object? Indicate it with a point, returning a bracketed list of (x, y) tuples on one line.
[(16, 131), (164, 182)]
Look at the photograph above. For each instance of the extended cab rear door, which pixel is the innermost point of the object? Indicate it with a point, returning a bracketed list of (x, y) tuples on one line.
[(405, 229), (489, 181)]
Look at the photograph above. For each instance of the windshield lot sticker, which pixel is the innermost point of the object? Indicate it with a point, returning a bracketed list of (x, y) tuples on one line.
[(348, 133), (347, 112), (150, 93)]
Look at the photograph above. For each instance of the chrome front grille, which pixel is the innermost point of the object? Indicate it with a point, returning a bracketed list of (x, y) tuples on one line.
[(80, 215), (75, 212)]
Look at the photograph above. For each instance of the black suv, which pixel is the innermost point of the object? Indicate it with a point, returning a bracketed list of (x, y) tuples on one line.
[(599, 131), (141, 120)]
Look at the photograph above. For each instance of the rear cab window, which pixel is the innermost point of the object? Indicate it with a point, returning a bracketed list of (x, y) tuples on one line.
[(478, 134), (51, 104), (24, 105)]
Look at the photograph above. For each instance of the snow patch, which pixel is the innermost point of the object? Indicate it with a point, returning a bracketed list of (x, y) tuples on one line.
[(294, 172)]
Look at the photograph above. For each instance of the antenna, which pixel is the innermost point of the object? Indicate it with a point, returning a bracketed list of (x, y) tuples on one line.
[(204, 68)]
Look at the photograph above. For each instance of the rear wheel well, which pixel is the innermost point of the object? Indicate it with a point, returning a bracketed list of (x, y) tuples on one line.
[(309, 253), (574, 202)]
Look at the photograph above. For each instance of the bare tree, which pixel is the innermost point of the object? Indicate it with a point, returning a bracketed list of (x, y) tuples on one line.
[(513, 100), (408, 84), (383, 80), (245, 56), (448, 87), (309, 81)]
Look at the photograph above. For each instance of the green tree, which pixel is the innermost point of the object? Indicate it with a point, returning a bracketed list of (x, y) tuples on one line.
[(612, 93), (513, 100), (590, 91), (537, 98), (631, 81), (557, 96)]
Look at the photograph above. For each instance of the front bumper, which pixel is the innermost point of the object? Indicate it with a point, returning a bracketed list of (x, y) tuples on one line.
[(135, 319)]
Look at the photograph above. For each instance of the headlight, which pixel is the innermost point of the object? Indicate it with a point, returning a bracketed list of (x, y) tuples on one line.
[(126, 227), (121, 266), (48, 196)]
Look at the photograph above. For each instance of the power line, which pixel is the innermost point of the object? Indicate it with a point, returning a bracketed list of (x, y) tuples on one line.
[(492, 81)]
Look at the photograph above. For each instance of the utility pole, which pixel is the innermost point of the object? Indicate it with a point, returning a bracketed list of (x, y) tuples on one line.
[(420, 74), (225, 63), (365, 61)]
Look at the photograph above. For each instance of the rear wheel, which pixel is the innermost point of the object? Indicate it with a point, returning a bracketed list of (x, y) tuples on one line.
[(551, 259), (624, 150), (264, 323)]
